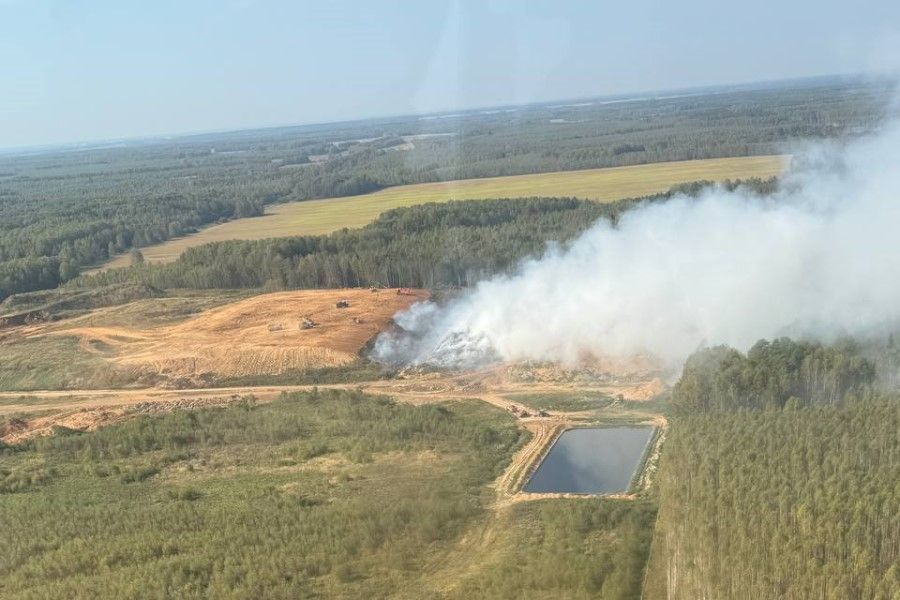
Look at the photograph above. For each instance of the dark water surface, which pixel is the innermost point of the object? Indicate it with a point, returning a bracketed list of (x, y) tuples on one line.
[(591, 461)]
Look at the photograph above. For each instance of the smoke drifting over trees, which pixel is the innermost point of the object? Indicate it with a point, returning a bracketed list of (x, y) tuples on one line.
[(818, 258)]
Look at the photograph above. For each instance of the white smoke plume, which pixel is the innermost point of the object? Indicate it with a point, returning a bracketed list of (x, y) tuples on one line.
[(821, 257)]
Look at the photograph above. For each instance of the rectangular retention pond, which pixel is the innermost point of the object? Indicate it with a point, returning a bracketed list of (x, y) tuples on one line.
[(591, 461)]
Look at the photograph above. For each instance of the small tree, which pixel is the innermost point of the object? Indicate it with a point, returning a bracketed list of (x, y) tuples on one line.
[(137, 257)]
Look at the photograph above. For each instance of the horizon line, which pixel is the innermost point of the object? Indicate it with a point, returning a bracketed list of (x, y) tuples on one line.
[(96, 143)]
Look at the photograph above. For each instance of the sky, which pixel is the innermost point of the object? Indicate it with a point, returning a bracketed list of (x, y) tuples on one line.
[(88, 70)]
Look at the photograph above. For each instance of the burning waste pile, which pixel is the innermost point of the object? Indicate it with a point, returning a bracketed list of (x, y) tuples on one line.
[(421, 339), (817, 259)]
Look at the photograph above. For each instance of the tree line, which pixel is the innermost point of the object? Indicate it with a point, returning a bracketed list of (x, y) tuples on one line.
[(772, 374), (778, 477), (437, 245)]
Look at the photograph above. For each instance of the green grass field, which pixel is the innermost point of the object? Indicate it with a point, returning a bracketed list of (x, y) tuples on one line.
[(563, 401), (54, 363), (323, 216)]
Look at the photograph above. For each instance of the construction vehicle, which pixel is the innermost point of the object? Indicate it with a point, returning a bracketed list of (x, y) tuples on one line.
[(307, 323)]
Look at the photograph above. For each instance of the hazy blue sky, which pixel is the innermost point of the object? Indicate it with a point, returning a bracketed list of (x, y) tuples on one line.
[(85, 70)]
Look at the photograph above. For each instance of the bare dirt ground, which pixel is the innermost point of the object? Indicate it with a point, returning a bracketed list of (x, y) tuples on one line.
[(261, 335)]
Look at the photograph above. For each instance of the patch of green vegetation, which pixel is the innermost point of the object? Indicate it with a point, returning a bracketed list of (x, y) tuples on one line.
[(176, 306), (574, 401), (330, 493), (24, 477), (358, 371), (54, 363), (24, 399), (567, 549), (65, 302)]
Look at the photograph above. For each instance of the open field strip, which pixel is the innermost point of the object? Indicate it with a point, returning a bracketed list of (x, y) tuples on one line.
[(313, 217)]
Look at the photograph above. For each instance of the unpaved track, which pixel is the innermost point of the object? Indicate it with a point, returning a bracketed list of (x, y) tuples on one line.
[(440, 391), (544, 431), (89, 409)]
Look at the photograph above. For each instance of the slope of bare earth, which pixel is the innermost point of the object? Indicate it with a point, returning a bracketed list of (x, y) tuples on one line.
[(261, 335)]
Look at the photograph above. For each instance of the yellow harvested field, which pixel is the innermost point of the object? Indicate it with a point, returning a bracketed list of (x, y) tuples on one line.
[(324, 216)]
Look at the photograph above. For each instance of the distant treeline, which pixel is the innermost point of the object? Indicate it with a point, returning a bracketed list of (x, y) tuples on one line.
[(432, 245), (63, 211), (779, 477), (40, 250), (436, 245)]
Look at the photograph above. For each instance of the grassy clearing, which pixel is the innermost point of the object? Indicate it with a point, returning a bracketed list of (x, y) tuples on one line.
[(178, 305), (324, 216), (563, 401), (603, 407), (54, 363), (565, 549), (355, 372)]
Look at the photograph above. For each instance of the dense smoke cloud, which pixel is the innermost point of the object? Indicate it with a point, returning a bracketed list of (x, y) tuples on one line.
[(821, 257)]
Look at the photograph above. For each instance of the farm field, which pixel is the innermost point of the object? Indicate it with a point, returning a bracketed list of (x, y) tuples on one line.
[(314, 217)]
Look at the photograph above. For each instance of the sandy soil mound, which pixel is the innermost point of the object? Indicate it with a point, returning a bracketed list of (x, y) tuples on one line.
[(263, 335)]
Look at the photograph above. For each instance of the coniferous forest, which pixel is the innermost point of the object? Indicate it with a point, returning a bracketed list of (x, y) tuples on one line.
[(780, 477), (437, 245)]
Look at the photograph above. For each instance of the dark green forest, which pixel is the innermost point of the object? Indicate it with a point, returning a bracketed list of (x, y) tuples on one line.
[(780, 477), (64, 210), (431, 245)]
